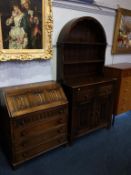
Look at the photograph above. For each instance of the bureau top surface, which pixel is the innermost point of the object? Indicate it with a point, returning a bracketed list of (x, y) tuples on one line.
[(121, 66), (33, 97)]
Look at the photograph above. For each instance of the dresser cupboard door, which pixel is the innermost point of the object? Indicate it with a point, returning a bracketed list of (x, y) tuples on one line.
[(103, 111), (96, 111), (85, 117)]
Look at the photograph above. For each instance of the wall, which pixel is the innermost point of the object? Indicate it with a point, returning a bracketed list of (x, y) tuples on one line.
[(115, 3), (64, 12), (13, 73)]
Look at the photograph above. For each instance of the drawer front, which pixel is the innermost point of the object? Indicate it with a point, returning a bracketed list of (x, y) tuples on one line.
[(37, 150), (105, 90), (126, 73), (38, 128), (124, 100), (38, 117), (123, 105), (26, 142), (85, 93), (126, 83)]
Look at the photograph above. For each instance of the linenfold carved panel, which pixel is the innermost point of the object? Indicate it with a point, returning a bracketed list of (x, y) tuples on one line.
[(23, 99)]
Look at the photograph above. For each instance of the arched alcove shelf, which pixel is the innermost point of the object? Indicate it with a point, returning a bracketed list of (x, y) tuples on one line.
[(81, 48)]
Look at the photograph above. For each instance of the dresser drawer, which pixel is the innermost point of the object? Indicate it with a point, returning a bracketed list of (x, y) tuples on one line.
[(27, 142), (38, 128), (84, 93), (39, 149), (105, 90)]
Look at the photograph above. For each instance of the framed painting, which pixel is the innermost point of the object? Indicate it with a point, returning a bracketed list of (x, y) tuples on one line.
[(25, 29), (122, 33)]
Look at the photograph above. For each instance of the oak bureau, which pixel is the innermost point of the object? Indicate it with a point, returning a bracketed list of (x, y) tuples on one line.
[(33, 120)]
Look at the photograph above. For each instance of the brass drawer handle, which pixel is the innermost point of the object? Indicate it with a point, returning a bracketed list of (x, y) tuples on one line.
[(78, 89), (61, 111)]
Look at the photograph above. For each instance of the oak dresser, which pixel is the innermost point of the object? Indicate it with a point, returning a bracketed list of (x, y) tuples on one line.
[(80, 63)]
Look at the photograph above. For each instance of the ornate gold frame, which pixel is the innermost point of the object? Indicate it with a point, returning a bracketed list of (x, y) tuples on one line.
[(30, 54), (120, 38)]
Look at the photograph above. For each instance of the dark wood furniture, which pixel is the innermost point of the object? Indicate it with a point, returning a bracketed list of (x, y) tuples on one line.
[(33, 120), (122, 71), (81, 54)]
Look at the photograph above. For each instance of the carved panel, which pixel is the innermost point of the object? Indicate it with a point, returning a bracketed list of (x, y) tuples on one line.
[(39, 117), (85, 115), (24, 99)]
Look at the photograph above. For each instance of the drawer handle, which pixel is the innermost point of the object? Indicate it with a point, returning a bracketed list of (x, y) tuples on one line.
[(61, 111), (60, 140), (60, 121), (23, 133), (24, 143), (86, 96), (61, 130), (25, 155), (21, 123), (78, 89)]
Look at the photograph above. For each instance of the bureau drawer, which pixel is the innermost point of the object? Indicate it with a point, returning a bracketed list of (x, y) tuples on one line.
[(27, 142), (38, 117), (37, 150), (38, 128)]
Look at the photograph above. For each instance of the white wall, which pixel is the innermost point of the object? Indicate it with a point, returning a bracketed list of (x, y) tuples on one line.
[(115, 3), (63, 15), (13, 73)]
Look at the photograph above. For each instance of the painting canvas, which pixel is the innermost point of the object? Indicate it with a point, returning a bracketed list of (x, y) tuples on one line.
[(122, 33), (25, 29)]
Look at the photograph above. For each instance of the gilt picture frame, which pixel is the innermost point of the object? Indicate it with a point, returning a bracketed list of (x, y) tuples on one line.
[(25, 29), (122, 32)]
